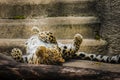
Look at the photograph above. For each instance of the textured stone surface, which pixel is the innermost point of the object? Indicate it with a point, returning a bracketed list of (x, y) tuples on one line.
[(62, 27), (64, 18), (110, 28), (45, 8)]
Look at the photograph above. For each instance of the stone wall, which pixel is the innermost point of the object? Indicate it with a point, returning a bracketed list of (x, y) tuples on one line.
[(109, 13)]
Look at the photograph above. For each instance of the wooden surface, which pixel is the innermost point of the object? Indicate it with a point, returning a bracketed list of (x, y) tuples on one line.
[(9, 69)]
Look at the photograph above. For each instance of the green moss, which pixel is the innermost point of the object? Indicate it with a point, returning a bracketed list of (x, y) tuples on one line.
[(97, 37), (19, 17)]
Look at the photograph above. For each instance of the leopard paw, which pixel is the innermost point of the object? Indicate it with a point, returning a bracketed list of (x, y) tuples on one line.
[(16, 54), (78, 38)]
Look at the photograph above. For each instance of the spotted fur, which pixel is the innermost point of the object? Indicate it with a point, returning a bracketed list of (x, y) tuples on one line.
[(45, 55), (42, 48), (96, 57), (69, 50), (17, 54), (47, 37)]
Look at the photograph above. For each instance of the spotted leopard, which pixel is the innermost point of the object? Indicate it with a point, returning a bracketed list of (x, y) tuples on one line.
[(43, 48)]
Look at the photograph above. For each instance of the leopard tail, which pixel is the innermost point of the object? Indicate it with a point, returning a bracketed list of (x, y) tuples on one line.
[(96, 57)]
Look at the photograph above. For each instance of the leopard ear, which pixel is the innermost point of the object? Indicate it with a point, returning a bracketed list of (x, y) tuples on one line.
[(35, 30)]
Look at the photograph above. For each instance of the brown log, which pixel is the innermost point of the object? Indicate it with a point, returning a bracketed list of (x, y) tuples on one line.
[(9, 69)]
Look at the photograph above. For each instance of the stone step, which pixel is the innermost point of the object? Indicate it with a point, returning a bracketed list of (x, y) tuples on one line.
[(62, 27), (46, 8), (88, 45)]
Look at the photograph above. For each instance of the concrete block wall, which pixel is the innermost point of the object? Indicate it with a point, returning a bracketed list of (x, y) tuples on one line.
[(109, 13)]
